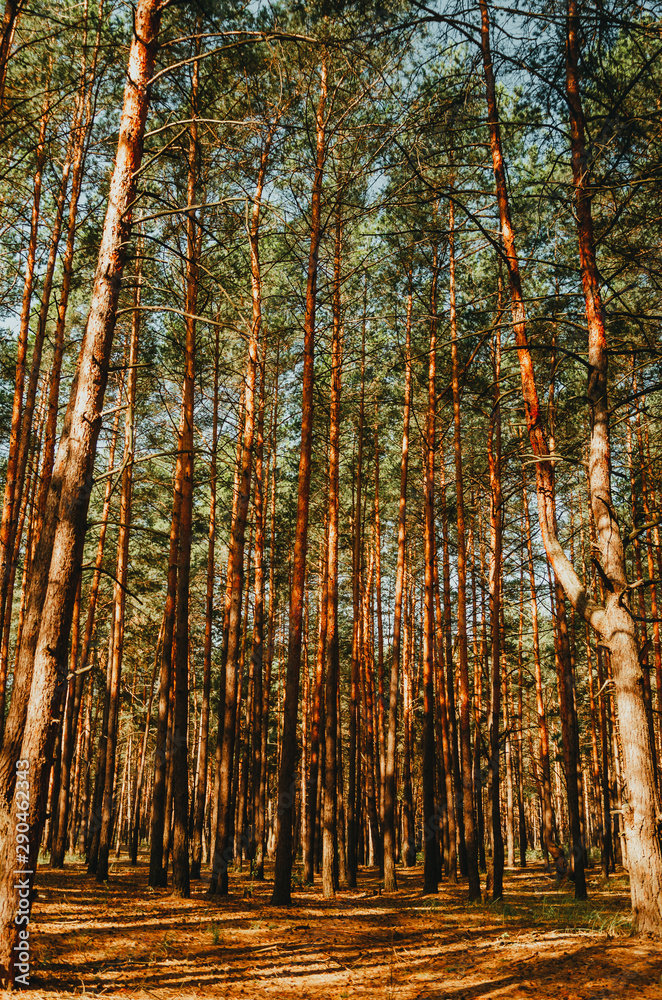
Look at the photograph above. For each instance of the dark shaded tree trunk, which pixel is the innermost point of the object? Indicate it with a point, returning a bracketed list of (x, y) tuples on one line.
[(135, 812), (316, 717)]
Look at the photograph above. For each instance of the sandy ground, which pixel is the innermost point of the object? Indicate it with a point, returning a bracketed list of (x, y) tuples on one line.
[(123, 939)]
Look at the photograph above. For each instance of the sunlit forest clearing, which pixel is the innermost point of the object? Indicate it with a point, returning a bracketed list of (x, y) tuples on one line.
[(121, 941), (330, 561)]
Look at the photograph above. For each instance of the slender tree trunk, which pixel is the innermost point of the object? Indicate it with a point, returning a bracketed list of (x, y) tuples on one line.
[(18, 708), (119, 604), (286, 778), (430, 819), (158, 813), (495, 873), (316, 718), (543, 734), (257, 654), (70, 720), (81, 779), (180, 845), (368, 686), (521, 814), (508, 754), (135, 813), (269, 651), (81, 132), (57, 857), (330, 821), (381, 700), (408, 840), (353, 784), (390, 882), (450, 677), (223, 841), (226, 623), (463, 658), (11, 497), (450, 825), (480, 656), (199, 815)]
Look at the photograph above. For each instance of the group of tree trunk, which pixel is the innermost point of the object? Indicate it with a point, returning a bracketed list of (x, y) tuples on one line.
[(388, 673)]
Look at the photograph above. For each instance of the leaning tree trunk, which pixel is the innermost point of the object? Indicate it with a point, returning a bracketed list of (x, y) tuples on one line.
[(60, 549), (613, 620), (641, 806)]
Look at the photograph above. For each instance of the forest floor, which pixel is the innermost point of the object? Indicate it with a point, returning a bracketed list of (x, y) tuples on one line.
[(122, 939)]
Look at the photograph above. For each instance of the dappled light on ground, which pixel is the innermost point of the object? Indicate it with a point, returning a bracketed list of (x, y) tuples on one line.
[(125, 940)]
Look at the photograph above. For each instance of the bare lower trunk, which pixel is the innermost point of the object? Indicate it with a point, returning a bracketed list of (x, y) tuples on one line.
[(430, 819), (287, 777), (495, 873), (463, 658), (199, 814), (390, 882)]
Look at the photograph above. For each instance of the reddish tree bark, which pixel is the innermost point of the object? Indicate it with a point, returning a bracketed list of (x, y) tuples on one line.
[(316, 727), (286, 777), (430, 819), (59, 553), (12, 13), (463, 658), (119, 604), (11, 496), (495, 873), (330, 820)]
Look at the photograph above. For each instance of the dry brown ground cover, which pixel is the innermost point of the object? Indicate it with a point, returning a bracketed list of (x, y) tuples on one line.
[(125, 940)]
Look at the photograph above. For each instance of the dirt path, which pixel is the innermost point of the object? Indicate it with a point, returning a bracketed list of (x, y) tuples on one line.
[(125, 940)]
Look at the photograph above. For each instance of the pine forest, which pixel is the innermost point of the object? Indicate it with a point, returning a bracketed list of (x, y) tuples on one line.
[(331, 492)]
